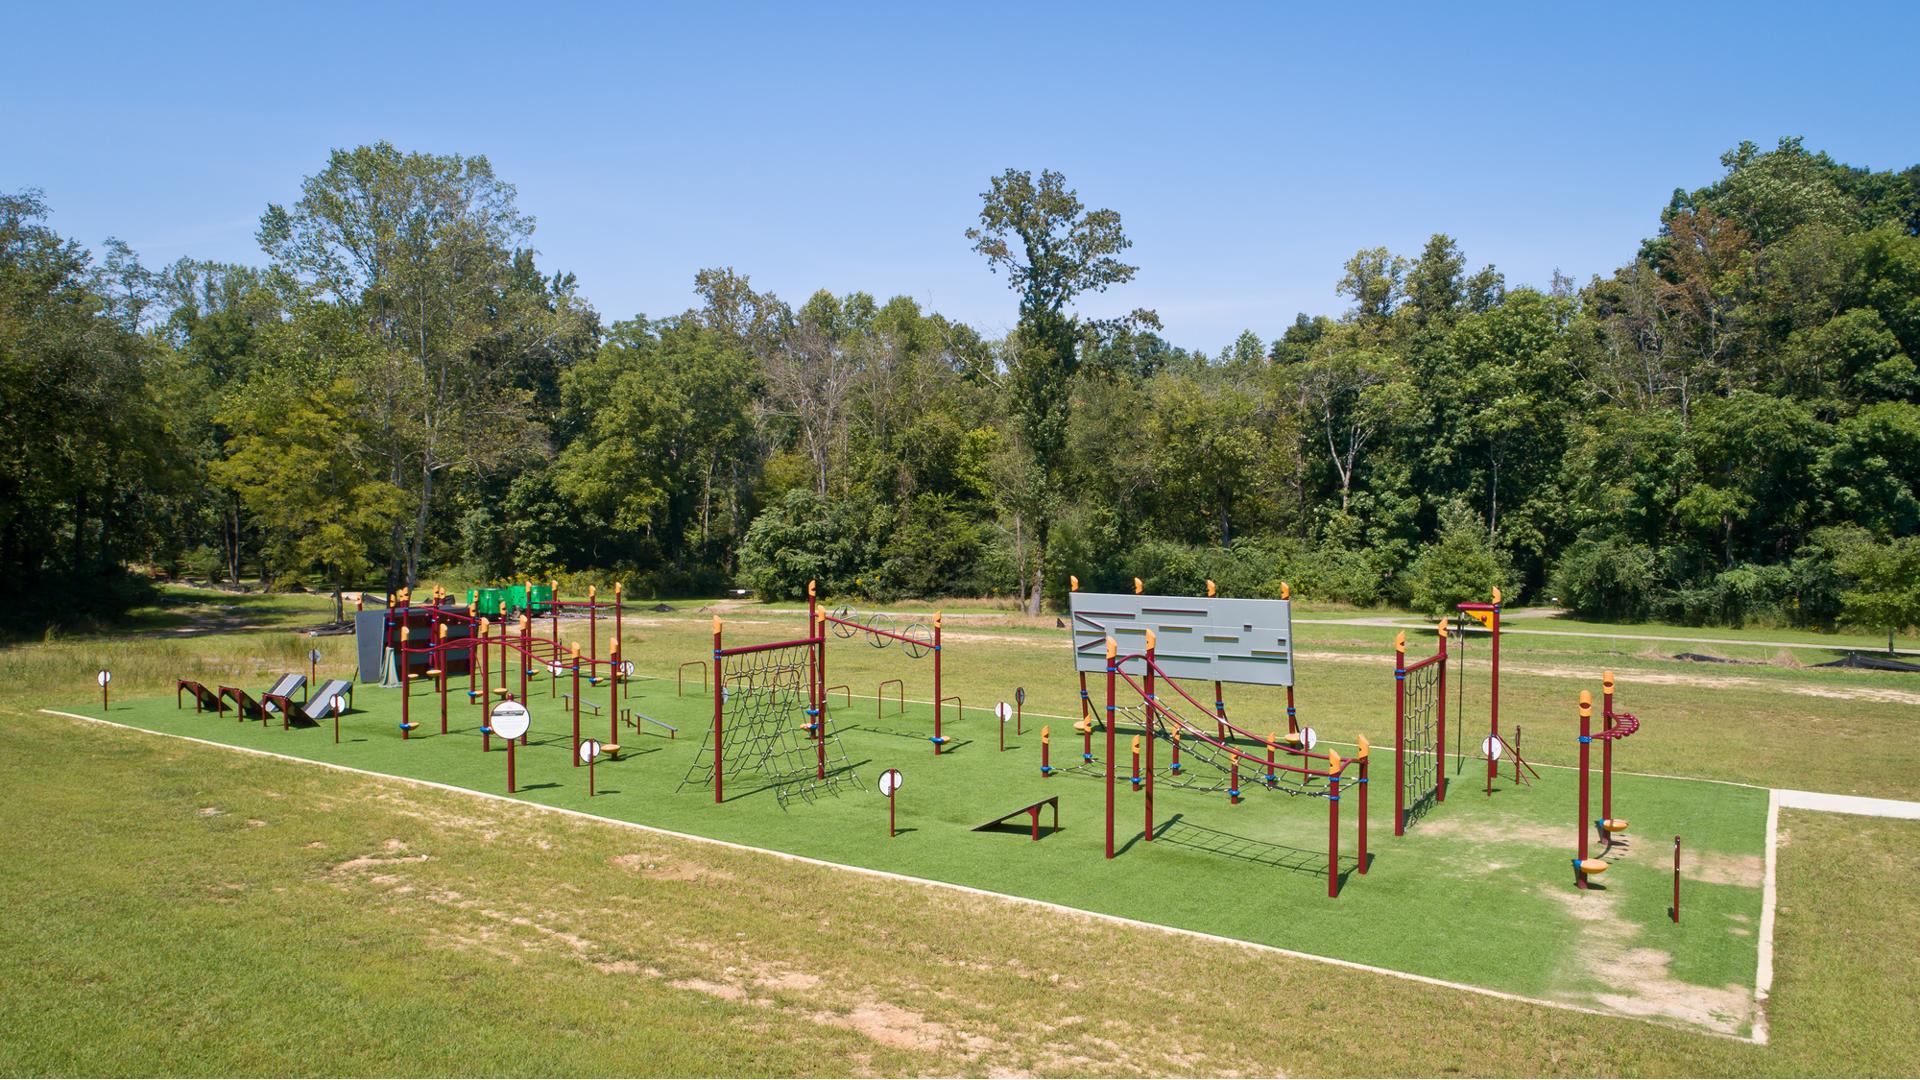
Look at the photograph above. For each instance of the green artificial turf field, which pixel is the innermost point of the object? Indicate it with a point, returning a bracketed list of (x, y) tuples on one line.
[(1478, 892)]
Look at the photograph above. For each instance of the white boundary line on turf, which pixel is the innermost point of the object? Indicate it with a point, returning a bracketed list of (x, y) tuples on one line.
[(1118, 920)]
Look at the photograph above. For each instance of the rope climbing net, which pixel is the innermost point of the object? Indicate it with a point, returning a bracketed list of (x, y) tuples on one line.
[(769, 726), (1420, 731)]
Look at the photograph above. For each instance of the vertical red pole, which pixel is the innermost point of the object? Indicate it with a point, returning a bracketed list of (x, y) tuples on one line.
[(443, 677), (576, 757), (1019, 710), (1363, 815), (613, 695), (1046, 737), (1606, 748), (1400, 734), (719, 695), (820, 705), (1220, 709), (1333, 833), (1111, 670), (819, 666), (1675, 912), (575, 657), (619, 623), (1151, 719), (553, 608), (486, 693), (1293, 717), (890, 819), (505, 686), (1586, 716), (406, 683), (473, 661), (526, 652), (510, 785), (1493, 717), (593, 624), (1440, 739), (1086, 703), (937, 740)]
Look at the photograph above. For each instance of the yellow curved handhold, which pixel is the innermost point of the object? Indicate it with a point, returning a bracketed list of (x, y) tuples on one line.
[(810, 590), (1113, 649), (1137, 587), (592, 592), (1046, 734), (1593, 866), (1286, 591), (1073, 583), (575, 650), (616, 587), (1291, 738), (1606, 680), (1083, 725), (1445, 628), (1272, 740), (484, 624), (1150, 639), (1334, 764), (1136, 744), (1614, 825), (1496, 596), (1365, 747), (1400, 641), (716, 624), (1586, 703), (1212, 590)]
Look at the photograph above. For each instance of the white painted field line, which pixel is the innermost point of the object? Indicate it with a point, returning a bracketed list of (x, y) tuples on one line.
[(1769, 892), (1045, 905)]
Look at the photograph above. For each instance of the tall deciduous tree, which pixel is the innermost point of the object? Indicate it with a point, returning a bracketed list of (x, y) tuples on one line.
[(1052, 249)]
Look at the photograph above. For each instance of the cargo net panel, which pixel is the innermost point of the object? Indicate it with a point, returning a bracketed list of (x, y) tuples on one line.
[(770, 732)]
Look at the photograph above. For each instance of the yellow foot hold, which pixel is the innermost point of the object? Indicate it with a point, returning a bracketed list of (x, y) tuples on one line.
[(1614, 825), (611, 749), (1592, 866)]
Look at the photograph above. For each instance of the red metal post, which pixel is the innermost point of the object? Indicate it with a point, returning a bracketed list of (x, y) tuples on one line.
[(1675, 910), (526, 652), (819, 650), (1586, 739), (1363, 815), (1440, 743), (1606, 748), (486, 693), (1493, 718), (613, 695), (443, 676), (510, 784), (937, 738), (1046, 737), (719, 695), (1111, 670), (1400, 734), (1151, 706), (890, 819), (1333, 834), (593, 624), (1220, 708)]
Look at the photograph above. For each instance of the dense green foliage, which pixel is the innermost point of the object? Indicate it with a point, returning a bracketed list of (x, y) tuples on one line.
[(1725, 429)]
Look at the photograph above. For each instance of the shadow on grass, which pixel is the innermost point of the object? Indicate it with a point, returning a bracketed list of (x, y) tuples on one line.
[(1181, 833)]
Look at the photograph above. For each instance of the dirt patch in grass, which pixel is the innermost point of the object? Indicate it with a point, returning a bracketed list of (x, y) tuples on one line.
[(1606, 953)]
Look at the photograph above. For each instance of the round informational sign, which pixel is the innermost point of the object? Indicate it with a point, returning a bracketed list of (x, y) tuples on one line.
[(1307, 738), (889, 782), (1004, 711), (1490, 748), (626, 667), (313, 655), (104, 677), (557, 669), (1019, 695), (589, 749), (510, 720)]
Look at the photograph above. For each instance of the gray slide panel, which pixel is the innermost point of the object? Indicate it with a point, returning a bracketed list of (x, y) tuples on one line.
[(1226, 638)]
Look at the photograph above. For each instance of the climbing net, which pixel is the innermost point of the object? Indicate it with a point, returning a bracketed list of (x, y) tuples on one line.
[(1188, 755), (1420, 732), (770, 728)]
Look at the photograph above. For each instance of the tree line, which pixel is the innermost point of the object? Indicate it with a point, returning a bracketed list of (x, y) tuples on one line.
[(1724, 429)]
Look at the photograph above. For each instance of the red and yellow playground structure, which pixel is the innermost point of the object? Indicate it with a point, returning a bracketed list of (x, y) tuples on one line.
[(1607, 827), (431, 646)]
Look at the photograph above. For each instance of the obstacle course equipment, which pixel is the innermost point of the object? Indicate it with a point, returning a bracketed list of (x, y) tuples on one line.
[(915, 639), (1607, 827), (769, 722), (1419, 730)]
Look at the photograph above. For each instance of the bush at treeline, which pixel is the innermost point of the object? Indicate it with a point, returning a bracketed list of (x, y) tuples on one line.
[(1725, 429)]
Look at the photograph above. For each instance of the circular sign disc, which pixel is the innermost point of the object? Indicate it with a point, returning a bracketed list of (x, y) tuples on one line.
[(626, 667), (1308, 737), (313, 655), (557, 669), (1019, 695), (104, 677), (589, 749), (1004, 711), (1490, 748), (510, 720), (889, 782)]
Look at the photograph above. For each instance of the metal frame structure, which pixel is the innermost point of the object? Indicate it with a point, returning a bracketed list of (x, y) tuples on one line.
[(843, 624), (1429, 678)]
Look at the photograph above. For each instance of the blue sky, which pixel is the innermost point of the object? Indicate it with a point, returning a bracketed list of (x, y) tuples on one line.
[(1249, 150)]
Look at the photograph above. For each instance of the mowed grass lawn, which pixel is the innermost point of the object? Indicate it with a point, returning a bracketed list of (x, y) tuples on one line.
[(199, 911)]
